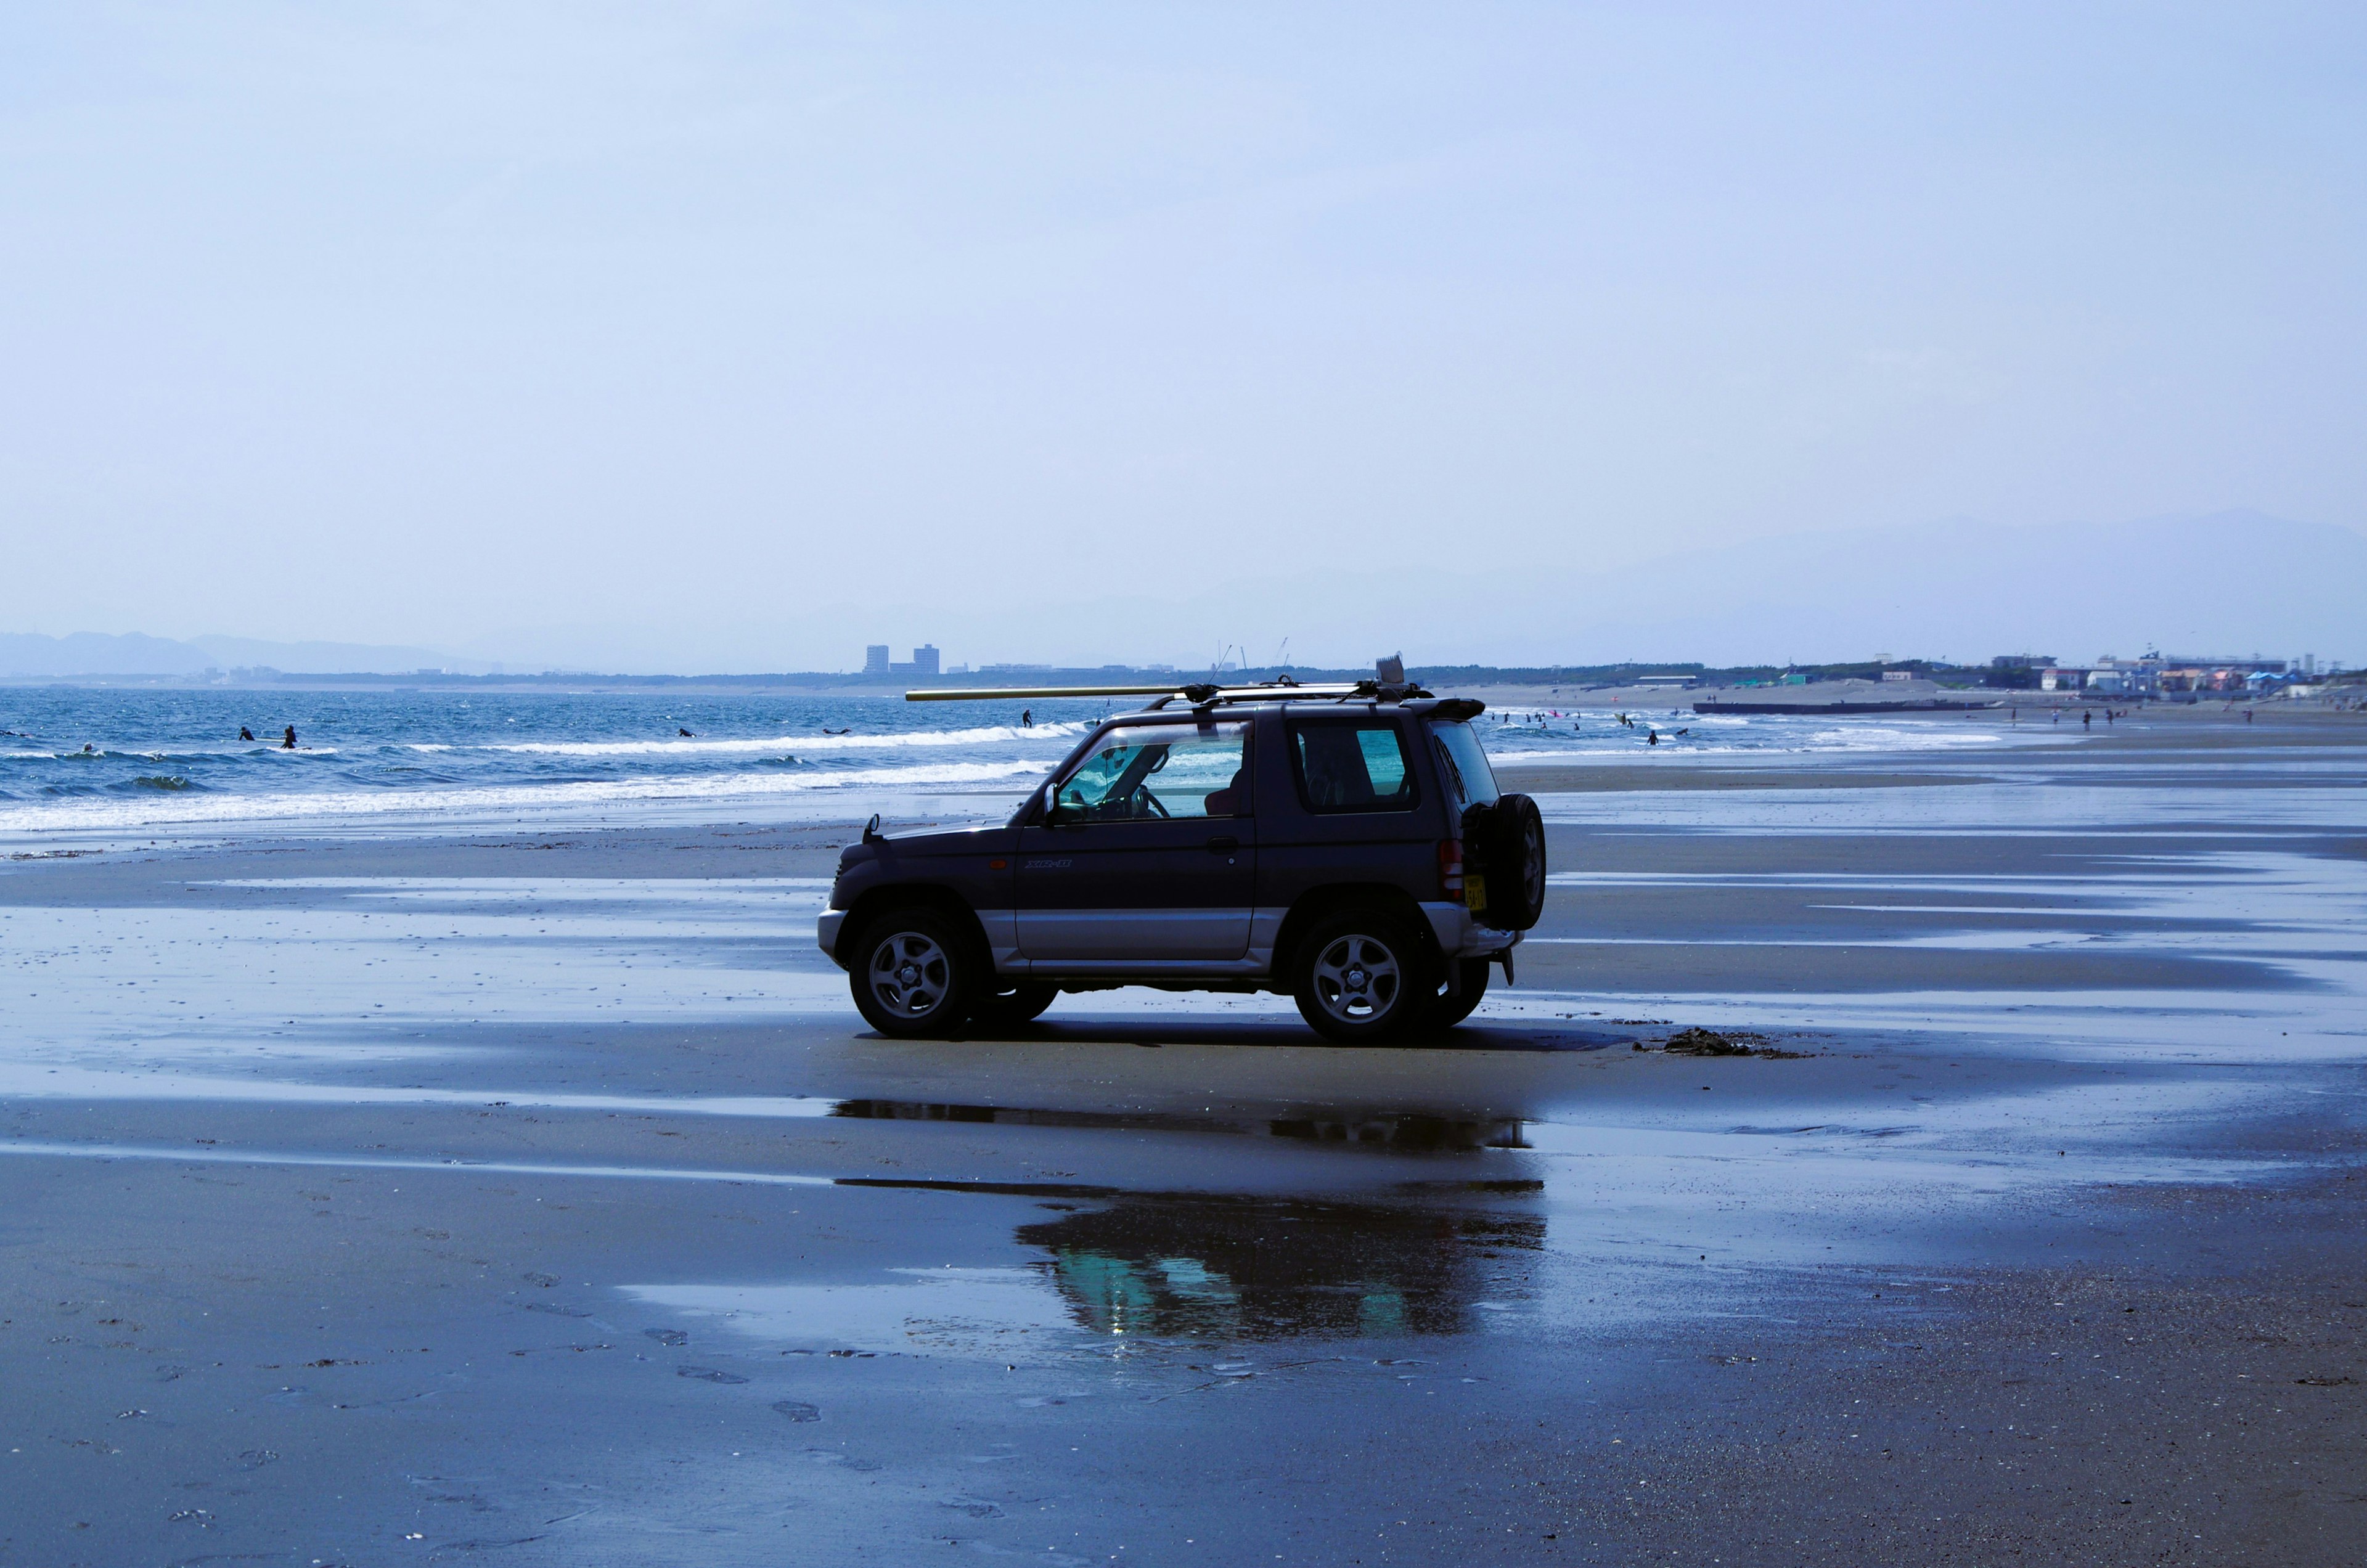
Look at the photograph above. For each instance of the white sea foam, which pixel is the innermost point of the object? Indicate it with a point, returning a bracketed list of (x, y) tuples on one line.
[(83, 814), (1822, 742), (808, 742)]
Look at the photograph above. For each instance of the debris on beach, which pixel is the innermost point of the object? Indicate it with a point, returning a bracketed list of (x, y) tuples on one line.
[(1700, 1042), (708, 1374)]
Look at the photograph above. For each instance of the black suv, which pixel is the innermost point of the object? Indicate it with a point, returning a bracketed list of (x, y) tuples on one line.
[(1345, 844)]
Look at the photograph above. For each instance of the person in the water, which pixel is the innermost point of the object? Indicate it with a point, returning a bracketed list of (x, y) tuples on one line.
[(288, 744), (245, 733)]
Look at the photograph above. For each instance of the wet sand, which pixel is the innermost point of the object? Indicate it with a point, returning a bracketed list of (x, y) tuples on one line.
[(538, 1197)]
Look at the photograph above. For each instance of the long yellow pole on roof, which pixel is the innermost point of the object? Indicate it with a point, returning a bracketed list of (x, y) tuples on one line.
[(965, 693)]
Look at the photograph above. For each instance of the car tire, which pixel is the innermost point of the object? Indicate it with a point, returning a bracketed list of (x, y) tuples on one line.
[(1023, 1003), (915, 974), (1512, 856), (1360, 977), (1447, 1010)]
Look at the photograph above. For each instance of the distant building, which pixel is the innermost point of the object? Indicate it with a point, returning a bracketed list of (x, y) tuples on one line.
[(875, 659), (924, 662), (2159, 675)]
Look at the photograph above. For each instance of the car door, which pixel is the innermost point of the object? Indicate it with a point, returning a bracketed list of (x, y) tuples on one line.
[(1148, 860)]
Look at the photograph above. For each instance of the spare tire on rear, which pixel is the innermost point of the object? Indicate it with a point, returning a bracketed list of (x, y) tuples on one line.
[(1506, 843)]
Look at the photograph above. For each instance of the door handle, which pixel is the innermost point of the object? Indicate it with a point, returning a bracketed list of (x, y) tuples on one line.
[(1224, 842)]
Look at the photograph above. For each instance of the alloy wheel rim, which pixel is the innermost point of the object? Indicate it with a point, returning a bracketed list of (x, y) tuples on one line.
[(910, 974), (1357, 980)]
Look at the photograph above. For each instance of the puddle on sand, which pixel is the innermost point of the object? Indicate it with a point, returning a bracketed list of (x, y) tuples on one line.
[(951, 1312), (1401, 1130), (1198, 1269), (1158, 1268)]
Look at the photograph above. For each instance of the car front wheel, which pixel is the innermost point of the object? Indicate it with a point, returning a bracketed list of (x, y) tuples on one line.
[(1021, 1004), (913, 975), (1360, 979)]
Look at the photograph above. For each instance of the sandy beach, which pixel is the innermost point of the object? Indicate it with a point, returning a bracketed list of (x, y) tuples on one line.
[(534, 1194)]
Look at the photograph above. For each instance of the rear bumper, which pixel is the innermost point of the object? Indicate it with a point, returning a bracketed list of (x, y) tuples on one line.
[(826, 931), (1460, 936)]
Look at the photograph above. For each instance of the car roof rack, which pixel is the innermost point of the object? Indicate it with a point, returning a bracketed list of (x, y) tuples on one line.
[(1388, 684), (1198, 694)]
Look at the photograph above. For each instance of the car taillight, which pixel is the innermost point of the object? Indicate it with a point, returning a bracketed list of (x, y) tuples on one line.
[(1450, 869)]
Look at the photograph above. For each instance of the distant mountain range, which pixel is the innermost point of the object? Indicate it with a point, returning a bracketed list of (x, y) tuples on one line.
[(99, 653)]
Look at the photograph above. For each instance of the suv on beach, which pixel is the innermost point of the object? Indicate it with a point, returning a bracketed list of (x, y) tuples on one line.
[(1343, 844)]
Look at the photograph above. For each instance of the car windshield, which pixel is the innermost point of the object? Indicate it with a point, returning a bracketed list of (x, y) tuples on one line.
[(1464, 764), (1150, 772)]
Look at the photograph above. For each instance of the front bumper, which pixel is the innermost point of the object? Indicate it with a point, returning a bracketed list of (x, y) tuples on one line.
[(1461, 936), (826, 931)]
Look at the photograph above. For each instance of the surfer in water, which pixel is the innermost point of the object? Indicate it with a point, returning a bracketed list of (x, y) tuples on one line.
[(245, 733), (287, 742), (1027, 718)]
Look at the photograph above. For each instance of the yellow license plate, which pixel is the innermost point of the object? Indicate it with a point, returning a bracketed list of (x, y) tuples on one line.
[(1475, 892)]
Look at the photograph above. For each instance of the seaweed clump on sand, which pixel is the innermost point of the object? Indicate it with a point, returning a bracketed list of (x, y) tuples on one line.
[(1699, 1041)]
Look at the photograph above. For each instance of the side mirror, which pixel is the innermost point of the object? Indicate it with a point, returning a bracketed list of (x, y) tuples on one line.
[(1051, 814)]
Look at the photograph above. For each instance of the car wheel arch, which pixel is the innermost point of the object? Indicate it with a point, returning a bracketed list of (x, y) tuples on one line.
[(1319, 903), (877, 901)]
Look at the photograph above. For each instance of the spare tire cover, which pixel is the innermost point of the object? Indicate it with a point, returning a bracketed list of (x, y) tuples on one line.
[(1513, 852)]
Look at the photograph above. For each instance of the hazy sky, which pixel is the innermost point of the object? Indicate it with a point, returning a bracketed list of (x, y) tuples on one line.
[(724, 336)]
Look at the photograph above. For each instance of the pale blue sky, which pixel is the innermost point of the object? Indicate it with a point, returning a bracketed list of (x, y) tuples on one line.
[(681, 335)]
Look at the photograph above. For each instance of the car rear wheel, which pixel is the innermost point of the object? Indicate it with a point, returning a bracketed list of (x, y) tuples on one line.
[(913, 975), (1448, 1010), (1361, 979), (1021, 1004)]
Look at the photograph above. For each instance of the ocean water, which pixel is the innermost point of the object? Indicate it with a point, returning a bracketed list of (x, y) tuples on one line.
[(115, 763)]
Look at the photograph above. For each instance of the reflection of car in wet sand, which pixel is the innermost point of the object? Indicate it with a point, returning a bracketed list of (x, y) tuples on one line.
[(1343, 844), (1252, 1270)]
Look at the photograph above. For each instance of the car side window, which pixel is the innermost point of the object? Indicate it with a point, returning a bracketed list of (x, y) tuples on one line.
[(1352, 766), (1151, 772)]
